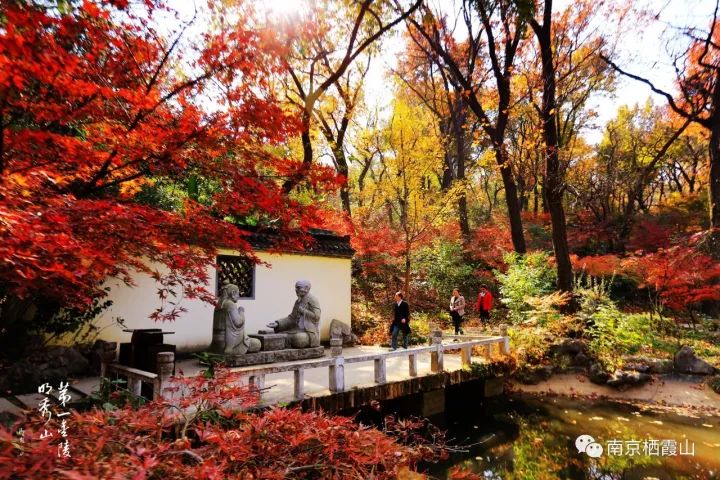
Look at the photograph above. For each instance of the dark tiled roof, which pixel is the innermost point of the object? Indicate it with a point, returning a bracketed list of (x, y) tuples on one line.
[(325, 243)]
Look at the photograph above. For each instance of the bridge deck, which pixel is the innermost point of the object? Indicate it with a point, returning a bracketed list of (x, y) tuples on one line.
[(357, 374), (358, 368)]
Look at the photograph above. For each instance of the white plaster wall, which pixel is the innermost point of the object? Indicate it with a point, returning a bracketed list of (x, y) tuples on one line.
[(274, 298)]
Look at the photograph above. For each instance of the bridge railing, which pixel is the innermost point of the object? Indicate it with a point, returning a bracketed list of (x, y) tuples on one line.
[(135, 377), (336, 363)]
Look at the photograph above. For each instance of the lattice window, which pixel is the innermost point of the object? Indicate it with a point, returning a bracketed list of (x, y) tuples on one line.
[(236, 270)]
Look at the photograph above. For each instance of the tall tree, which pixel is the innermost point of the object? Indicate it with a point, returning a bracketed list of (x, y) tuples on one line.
[(554, 182), (636, 143), (334, 116), (322, 51), (698, 82), (405, 179), (495, 29), (97, 106), (424, 76)]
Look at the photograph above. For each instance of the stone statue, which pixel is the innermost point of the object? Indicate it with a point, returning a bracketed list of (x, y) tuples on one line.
[(342, 331), (302, 326), (233, 317)]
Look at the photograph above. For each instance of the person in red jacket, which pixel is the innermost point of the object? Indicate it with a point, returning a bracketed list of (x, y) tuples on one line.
[(484, 303)]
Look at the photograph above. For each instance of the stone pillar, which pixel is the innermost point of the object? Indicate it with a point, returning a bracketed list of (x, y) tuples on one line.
[(466, 356), (258, 381), (505, 346), (436, 357), (135, 385), (165, 366), (335, 347), (107, 355), (412, 364), (299, 375), (380, 371), (337, 375)]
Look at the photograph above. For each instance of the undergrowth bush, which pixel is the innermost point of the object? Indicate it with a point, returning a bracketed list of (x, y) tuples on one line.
[(445, 267), (529, 344), (529, 275), (611, 332)]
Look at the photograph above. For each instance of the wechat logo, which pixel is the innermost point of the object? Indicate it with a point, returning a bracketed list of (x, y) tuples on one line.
[(587, 444)]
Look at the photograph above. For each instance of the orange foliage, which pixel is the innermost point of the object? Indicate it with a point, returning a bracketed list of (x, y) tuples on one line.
[(597, 266), (490, 242), (682, 275)]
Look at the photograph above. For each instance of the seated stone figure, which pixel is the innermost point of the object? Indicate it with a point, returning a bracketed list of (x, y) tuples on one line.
[(303, 324), (236, 342)]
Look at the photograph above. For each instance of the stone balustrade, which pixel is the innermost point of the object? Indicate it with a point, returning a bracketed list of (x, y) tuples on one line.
[(335, 364)]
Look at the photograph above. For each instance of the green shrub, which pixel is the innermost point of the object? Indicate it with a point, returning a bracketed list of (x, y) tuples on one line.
[(420, 328), (529, 275), (614, 334), (444, 267), (529, 344)]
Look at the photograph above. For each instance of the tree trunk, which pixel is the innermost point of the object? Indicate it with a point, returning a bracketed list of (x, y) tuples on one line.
[(511, 200), (406, 287), (307, 153), (554, 185), (343, 169), (458, 121), (714, 177)]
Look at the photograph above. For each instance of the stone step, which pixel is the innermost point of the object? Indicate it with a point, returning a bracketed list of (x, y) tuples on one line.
[(86, 386), (6, 406), (31, 400)]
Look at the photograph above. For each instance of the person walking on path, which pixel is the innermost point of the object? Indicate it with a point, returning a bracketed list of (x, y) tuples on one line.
[(484, 303), (401, 321), (457, 310)]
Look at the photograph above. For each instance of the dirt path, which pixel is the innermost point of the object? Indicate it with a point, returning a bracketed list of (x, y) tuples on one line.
[(685, 391)]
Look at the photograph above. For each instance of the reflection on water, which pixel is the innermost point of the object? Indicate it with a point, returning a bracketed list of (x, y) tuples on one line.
[(534, 438)]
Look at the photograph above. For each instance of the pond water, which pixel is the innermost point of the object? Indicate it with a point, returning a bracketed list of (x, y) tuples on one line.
[(534, 438)]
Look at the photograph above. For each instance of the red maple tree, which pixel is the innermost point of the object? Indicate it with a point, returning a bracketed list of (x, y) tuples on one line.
[(98, 106)]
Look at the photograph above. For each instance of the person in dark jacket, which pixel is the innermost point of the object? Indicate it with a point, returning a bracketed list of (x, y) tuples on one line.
[(401, 321)]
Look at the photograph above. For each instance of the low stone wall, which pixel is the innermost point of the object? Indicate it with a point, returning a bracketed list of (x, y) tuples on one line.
[(431, 388)]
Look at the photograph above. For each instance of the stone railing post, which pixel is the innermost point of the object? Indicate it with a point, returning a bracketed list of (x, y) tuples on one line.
[(436, 357), (258, 381), (466, 356), (506, 339), (299, 392), (412, 364), (337, 375), (336, 347), (108, 355), (135, 385), (380, 371), (165, 366)]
